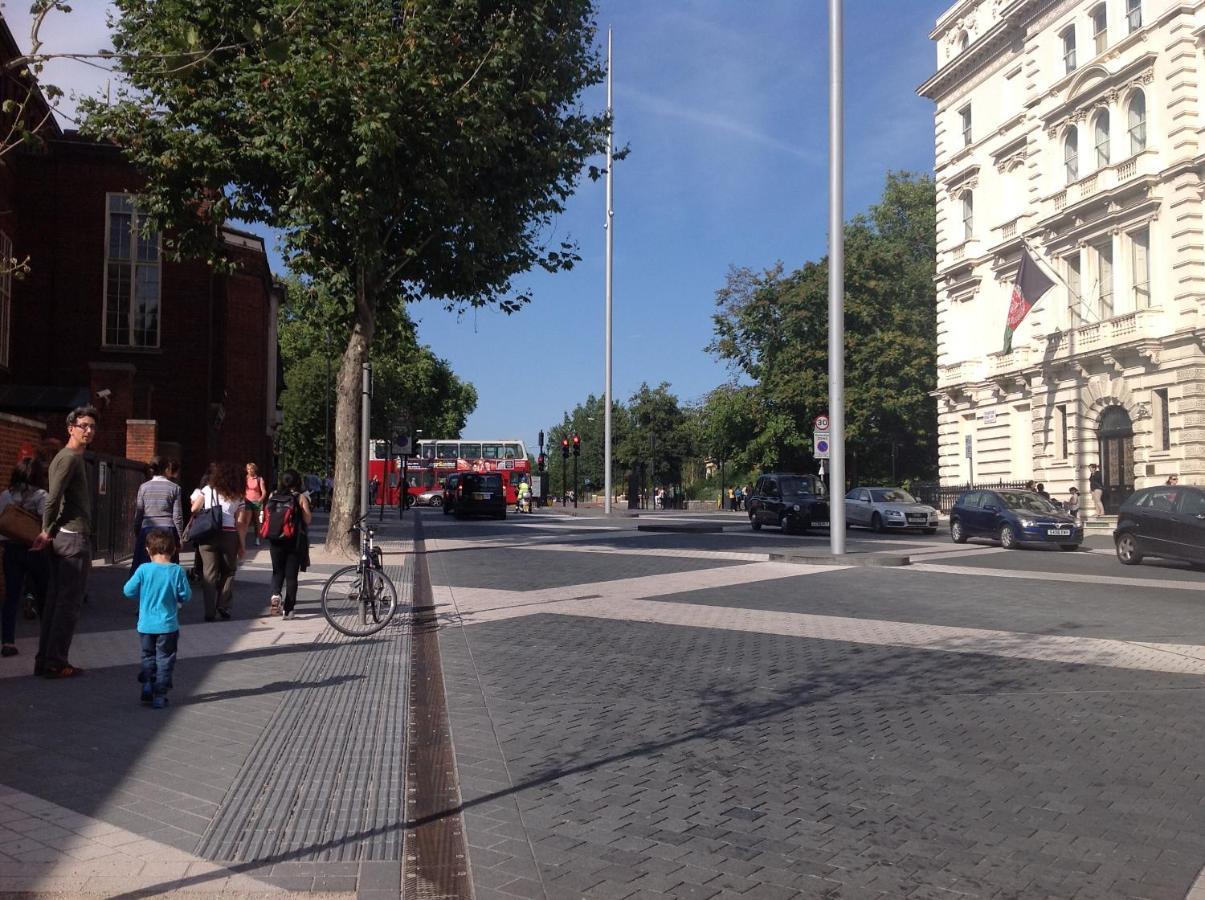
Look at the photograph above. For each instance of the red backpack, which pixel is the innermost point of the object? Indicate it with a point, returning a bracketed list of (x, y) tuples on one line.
[(282, 518)]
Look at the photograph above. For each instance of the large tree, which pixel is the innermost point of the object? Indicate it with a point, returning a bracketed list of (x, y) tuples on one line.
[(411, 384), (772, 328), (403, 148)]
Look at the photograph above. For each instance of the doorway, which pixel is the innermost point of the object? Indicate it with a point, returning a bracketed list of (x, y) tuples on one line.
[(1116, 435)]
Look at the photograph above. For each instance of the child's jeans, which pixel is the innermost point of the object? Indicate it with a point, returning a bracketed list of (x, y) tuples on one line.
[(158, 660)]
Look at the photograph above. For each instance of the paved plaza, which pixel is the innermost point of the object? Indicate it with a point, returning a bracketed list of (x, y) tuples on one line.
[(634, 714)]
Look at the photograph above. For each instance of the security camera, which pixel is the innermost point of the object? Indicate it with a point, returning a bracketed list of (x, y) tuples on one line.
[(104, 394)]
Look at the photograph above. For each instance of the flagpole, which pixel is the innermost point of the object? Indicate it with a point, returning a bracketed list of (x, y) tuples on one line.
[(1079, 298), (610, 233)]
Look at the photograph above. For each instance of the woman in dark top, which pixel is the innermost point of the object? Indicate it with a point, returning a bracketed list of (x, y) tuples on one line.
[(291, 556), (159, 505)]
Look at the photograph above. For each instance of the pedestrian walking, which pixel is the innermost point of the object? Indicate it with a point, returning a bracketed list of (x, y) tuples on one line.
[(255, 492), (67, 530), (25, 570), (731, 499), (1096, 484), (1073, 503), (288, 546), (161, 588), (221, 551), (374, 487), (160, 504)]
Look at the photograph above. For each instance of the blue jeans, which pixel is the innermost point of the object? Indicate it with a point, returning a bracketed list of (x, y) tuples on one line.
[(158, 660)]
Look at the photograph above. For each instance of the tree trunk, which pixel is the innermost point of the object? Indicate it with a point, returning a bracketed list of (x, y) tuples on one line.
[(345, 504)]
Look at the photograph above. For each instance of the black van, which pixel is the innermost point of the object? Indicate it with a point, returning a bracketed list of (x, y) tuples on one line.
[(475, 494)]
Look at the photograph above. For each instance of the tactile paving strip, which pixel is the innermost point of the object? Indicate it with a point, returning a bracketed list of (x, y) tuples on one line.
[(326, 780)]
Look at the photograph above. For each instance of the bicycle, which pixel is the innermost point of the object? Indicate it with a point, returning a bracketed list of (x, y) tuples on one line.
[(360, 599)]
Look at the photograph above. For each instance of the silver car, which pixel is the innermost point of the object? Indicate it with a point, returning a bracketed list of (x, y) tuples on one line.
[(885, 508), (430, 497)]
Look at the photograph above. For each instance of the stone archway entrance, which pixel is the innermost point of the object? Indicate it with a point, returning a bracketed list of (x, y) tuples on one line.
[(1115, 432)]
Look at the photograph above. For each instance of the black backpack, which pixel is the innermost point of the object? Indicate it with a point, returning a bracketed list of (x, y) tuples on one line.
[(282, 518)]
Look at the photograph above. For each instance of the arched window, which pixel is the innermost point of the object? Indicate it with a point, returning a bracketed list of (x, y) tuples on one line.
[(1101, 134), (1071, 154), (1136, 125), (1068, 37), (968, 215)]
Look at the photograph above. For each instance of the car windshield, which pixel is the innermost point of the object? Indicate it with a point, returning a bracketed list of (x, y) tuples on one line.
[(1023, 500), (891, 495), (792, 486)]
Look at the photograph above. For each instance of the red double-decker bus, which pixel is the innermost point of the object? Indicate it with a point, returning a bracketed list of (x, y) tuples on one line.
[(437, 459)]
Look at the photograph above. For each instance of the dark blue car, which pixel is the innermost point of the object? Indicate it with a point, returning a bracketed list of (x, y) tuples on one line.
[(1014, 518)]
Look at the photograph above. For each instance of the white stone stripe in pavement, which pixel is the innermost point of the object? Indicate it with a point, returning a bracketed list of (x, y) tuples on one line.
[(47, 848), (1071, 577), (624, 600)]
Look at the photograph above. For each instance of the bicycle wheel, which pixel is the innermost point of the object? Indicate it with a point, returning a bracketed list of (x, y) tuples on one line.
[(359, 602)]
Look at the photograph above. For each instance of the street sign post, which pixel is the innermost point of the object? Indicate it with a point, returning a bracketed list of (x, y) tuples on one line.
[(821, 446)]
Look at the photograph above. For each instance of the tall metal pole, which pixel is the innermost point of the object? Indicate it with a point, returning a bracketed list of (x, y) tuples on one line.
[(365, 417), (326, 443), (608, 225), (836, 281)]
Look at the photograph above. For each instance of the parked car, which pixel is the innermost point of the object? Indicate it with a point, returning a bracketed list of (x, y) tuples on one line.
[(882, 508), (475, 494), (1166, 521), (430, 497), (793, 502), (1014, 518)]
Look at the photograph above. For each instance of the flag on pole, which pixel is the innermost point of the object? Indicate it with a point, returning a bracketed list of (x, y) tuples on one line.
[(1030, 285)]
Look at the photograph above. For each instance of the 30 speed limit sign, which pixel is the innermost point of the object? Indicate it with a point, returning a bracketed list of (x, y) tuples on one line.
[(821, 423)]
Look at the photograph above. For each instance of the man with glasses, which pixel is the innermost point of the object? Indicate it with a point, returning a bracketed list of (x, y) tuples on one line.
[(67, 528)]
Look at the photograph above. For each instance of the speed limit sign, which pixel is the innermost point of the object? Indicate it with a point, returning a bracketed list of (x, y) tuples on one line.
[(821, 423)]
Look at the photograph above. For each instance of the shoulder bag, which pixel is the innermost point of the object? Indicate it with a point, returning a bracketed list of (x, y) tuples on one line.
[(206, 523), (19, 524)]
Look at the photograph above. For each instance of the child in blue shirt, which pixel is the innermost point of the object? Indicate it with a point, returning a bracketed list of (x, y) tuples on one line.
[(160, 586)]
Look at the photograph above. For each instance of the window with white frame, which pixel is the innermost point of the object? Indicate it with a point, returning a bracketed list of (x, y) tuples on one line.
[(1136, 125), (1104, 278), (1074, 286), (968, 215), (1140, 267), (6, 297), (1068, 37), (1100, 28), (964, 116), (1134, 15), (1071, 154), (1101, 134), (132, 276)]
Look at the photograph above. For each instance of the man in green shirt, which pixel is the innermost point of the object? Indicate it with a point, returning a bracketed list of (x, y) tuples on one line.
[(67, 528)]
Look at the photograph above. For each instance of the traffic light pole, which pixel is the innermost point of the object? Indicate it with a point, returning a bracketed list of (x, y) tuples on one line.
[(575, 481)]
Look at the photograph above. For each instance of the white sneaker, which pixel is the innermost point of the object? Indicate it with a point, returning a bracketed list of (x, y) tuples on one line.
[(274, 605)]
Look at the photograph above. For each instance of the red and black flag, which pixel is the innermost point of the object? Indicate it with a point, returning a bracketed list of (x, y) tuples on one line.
[(1030, 285)]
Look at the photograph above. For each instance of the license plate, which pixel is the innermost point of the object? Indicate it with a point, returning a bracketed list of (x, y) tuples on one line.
[(478, 495), (1058, 532), (918, 518), (819, 524)]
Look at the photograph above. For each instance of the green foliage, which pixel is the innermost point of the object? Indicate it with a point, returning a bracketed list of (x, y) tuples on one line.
[(772, 328), (411, 385)]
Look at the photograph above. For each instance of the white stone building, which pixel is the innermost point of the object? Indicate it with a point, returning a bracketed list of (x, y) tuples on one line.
[(1073, 127)]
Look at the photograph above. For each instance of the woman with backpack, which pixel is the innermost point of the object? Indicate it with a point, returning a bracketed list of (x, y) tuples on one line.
[(287, 518), (221, 551), (25, 570)]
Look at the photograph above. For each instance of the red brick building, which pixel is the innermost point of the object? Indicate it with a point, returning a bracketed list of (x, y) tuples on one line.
[(179, 359)]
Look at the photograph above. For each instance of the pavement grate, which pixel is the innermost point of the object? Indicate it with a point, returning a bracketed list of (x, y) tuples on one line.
[(325, 781)]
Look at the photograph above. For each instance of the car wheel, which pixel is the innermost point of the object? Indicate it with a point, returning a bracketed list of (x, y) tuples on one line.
[(1008, 537), (876, 523), (957, 535), (754, 523), (1128, 553), (1068, 547)]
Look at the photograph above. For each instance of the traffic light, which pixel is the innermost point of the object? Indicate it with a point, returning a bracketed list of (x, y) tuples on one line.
[(540, 463), (577, 446), (564, 448)]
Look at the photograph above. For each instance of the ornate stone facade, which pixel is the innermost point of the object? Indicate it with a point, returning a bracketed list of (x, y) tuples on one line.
[(1072, 128)]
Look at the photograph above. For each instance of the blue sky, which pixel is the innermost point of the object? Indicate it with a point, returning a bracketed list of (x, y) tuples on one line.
[(725, 107)]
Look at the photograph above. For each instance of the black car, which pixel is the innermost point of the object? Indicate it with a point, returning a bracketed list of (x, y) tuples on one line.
[(475, 494), (793, 502), (1166, 521), (1014, 518)]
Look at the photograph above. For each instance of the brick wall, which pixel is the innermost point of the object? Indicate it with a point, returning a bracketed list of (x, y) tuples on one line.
[(141, 443), (17, 434)]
